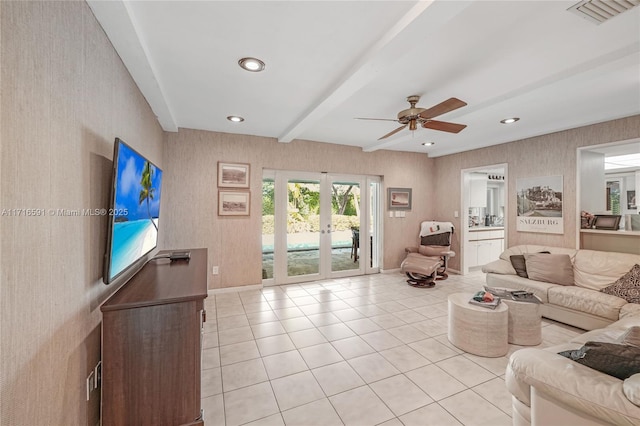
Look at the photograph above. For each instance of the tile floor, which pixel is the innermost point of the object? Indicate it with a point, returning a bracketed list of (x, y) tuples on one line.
[(368, 350)]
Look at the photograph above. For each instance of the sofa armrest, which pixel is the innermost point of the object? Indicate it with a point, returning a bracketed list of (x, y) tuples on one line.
[(571, 384), (499, 267)]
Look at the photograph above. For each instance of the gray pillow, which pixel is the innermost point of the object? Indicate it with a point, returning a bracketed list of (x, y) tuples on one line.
[(550, 268), (518, 263), (619, 361)]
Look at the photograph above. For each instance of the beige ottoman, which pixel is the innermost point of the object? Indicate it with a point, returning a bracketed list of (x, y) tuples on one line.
[(525, 323), (477, 330)]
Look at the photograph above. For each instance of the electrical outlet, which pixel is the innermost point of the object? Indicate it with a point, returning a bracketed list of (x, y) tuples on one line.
[(90, 384), (215, 270)]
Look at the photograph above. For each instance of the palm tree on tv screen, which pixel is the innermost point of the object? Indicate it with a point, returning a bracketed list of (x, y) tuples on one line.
[(147, 191)]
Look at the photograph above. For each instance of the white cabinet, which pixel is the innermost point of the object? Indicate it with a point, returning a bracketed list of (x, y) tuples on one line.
[(483, 247), (478, 190)]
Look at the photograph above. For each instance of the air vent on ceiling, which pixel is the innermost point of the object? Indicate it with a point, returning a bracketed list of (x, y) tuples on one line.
[(599, 11)]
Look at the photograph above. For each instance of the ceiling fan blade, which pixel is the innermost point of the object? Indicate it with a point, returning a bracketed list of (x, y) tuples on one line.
[(443, 107), (443, 126), (393, 132), (378, 119)]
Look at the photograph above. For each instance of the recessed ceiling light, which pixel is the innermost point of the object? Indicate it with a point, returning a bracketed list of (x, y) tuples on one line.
[(251, 64), (509, 120), (235, 118), (428, 143)]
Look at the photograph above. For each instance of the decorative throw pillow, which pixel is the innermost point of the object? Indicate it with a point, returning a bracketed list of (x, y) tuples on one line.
[(518, 263), (627, 286), (619, 361), (550, 268)]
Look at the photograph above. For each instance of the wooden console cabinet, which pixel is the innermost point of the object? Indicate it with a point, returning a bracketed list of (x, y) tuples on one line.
[(152, 344)]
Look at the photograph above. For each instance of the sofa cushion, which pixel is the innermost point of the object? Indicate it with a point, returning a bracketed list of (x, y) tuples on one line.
[(627, 286), (630, 309), (585, 300), (515, 282), (550, 268), (631, 389), (598, 269)]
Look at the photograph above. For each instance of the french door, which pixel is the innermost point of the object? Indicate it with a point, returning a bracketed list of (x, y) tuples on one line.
[(325, 226)]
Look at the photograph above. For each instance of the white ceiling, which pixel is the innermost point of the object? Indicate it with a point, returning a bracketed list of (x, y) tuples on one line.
[(328, 62)]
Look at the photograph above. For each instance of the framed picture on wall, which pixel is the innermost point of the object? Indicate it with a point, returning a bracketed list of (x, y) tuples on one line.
[(233, 203), (399, 198), (233, 175), (631, 200), (539, 204)]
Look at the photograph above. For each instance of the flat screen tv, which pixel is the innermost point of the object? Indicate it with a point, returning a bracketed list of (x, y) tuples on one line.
[(134, 210)]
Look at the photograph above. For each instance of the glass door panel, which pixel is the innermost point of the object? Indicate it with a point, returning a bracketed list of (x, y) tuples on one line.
[(268, 226), (303, 227), (345, 224), (374, 225)]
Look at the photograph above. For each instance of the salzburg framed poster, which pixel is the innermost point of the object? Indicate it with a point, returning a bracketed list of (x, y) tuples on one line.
[(540, 205)]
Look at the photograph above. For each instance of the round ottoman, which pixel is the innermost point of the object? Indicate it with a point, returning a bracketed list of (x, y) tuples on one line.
[(478, 330), (525, 323)]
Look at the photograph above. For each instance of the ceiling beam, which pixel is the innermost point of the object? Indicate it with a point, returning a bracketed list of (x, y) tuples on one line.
[(119, 24), (374, 60)]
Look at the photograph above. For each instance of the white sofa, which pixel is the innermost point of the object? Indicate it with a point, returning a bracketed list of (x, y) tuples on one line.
[(549, 389), (581, 305)]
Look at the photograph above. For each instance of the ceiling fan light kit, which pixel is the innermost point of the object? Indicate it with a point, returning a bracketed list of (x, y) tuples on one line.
[(413, 116)]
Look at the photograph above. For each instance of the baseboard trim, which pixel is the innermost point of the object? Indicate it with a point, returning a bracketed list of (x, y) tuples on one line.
[(212, 291), (389, 271)]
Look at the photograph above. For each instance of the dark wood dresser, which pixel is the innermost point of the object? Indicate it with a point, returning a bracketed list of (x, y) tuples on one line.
[(152, 345)]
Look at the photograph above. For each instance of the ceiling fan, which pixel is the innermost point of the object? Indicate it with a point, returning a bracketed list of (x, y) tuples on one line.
[(412, 116)]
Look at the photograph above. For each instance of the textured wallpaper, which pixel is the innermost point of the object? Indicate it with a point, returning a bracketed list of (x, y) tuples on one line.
[(235, 242), (65, 97)]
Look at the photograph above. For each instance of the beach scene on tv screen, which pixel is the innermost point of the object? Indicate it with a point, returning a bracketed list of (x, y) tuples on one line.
[(136, 209)]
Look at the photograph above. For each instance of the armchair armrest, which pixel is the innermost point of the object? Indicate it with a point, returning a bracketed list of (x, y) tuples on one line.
[(411, 249)]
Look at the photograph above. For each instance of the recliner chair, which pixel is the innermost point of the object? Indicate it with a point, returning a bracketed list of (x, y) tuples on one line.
[(428, 262)]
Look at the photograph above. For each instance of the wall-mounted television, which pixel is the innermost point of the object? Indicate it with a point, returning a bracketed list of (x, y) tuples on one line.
[(134, 210)]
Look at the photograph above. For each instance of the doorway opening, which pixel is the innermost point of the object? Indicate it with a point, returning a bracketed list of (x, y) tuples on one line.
[(318, 225), (484, 215)]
